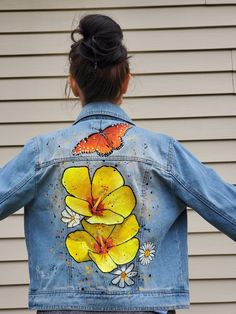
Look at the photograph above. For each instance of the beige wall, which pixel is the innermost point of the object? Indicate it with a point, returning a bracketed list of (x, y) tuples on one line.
[(184, 83)]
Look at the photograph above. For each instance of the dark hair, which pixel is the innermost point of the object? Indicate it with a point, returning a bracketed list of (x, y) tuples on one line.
[(98, 60)]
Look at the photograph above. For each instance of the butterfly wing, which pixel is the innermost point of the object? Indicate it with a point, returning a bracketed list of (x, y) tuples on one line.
[(104, 141), (94, 142), (115, 133)]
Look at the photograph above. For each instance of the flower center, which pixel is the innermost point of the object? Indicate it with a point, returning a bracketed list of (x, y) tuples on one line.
[(96, 205), (123, 275), (103, 245), (147, 253)]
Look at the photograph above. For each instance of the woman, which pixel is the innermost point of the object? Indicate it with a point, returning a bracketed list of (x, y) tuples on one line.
[(105, 201)]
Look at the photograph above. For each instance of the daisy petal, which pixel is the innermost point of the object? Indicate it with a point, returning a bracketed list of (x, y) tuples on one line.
[(122, 283), (117, 272), (123, 268), (65, 213), (132, 274), (116, 280), (65, 219), (129, 281), (131, 266)]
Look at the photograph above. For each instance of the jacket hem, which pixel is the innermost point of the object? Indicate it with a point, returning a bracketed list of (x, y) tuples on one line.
[(150, 301)]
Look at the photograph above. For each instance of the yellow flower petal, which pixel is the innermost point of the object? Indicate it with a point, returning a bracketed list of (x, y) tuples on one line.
[(103, 261), (78, 244), (97, 230), (105, 180), (108, 218), (125, 252), (125, 231), (79, 206), (77, 182), (121, 201)]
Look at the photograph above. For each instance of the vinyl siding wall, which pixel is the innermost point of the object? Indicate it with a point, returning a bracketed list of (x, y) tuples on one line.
[(184, 83)]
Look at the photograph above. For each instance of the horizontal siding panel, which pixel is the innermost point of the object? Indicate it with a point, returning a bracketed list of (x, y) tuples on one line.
[(13, 297), (14, 273), (40, 111), (194, 129), (218, 291), (137, 108), (182, 61), (209, 151), (212, 267), (234, 81), (195, 223), (152, 40), (17, 311), (217, 308), (206, 151), (12, 227), (34, 66), (200, 267), (234, 57), (142, 85), (89, 4), (210, 244), (13, 250), (140, 63), (220, 2), (199, 244), (129, 18)]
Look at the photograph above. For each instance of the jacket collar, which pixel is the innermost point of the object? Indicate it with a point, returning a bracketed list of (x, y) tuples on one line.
[(104, 109)]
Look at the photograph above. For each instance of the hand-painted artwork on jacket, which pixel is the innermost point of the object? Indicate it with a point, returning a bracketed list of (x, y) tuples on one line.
[(105, 203), (104, 142)]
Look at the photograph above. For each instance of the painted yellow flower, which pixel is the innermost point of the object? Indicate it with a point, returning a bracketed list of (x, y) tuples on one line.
[(107, 246), (104, 199)]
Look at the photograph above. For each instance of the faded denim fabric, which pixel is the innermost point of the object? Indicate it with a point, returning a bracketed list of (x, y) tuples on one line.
[(105, 213)]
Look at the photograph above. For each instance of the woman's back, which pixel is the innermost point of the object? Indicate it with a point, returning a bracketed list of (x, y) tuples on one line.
[(105, 201)]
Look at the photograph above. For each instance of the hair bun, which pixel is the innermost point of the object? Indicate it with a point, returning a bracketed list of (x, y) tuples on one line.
[(101, 41)]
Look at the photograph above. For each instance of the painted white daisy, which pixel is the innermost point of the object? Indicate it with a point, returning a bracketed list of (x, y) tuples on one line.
[(147, 252), (71, 218), (124, 276)]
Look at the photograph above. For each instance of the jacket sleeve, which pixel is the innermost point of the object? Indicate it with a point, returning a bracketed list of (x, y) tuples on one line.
[(17, 181), (202, 189)]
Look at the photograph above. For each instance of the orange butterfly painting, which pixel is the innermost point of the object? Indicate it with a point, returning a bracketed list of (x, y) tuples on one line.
[(104, 142)]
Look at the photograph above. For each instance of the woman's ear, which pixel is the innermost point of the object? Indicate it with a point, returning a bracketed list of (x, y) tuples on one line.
[(73, 85), (125, 84)]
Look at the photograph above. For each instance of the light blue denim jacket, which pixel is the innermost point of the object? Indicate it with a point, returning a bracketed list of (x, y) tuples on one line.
[(105, 213)]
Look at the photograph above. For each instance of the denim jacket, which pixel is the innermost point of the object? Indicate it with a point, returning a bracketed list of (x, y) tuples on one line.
[(105, 213)]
